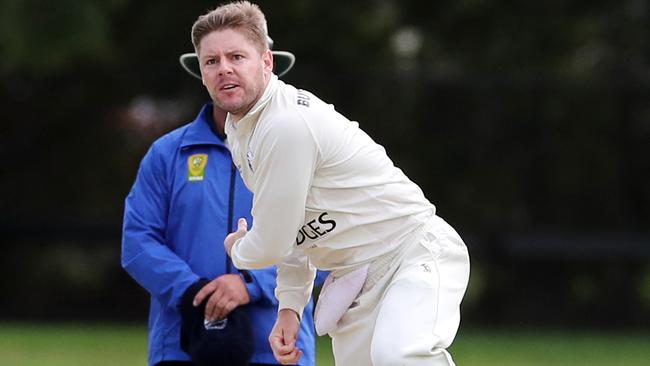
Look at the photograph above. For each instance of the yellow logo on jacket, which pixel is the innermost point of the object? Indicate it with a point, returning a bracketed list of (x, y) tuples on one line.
[(196, 167)]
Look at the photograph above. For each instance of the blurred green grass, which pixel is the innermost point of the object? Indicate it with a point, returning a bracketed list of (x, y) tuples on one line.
[(109, 344)]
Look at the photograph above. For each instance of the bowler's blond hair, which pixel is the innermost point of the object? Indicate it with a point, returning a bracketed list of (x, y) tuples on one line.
[(241, 15)]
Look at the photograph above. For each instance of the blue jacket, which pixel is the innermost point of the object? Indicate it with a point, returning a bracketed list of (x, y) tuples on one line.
[(186, 198)]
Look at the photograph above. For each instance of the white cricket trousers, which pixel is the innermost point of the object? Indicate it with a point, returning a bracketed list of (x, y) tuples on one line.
[(408, 312)]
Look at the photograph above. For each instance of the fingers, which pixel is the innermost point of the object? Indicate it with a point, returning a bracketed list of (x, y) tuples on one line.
[(225, 294), (213, 307), (291, 358), (227, 309), (286, 354), (283, 338), (203, 293), (242, 225), (221, 309), (242, 229)]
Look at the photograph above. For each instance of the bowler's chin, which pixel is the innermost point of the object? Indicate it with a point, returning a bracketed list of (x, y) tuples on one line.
[(232, 108)]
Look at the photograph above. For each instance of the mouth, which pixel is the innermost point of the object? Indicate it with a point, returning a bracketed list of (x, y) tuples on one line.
[(228, 87)]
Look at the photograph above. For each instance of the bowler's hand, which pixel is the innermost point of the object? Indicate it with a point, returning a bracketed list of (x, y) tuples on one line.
[(242, 229), (283, 337), (225, 292)]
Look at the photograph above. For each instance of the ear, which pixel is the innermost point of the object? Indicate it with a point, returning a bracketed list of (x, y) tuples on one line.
[(267, 58)]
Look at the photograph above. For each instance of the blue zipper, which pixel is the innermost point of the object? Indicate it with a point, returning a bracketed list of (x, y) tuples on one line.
[(231, 213)]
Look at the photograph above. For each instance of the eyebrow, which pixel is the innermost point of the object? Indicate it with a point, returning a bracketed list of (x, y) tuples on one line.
[(228, 52)]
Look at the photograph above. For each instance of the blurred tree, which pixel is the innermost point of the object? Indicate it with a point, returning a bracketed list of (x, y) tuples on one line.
[(514, 117), (42, 37)]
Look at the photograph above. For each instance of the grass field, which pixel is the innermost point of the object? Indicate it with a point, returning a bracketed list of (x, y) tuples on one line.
[(125, 345)]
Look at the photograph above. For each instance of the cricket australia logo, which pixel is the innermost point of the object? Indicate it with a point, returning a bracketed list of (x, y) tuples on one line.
[(196, 167), (249, 159)]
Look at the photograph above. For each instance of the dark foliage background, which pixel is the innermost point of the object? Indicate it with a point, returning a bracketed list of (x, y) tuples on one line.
[(526, 123)]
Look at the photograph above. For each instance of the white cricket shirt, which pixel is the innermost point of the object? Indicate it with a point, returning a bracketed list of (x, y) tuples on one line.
[(322, 188)]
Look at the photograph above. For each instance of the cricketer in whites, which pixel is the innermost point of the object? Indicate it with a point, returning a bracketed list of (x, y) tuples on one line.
[(327, 196)]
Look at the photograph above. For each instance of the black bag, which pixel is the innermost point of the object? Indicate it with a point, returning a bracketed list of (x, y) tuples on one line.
[(226, 342)]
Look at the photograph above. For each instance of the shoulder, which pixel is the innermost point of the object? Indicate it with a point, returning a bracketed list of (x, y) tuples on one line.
[(170, 141), (164, 147), (297, 100), (172, 138), (291, 112), (286, 125)]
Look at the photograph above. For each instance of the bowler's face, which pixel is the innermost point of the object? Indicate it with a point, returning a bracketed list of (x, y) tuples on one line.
[(234, 71)]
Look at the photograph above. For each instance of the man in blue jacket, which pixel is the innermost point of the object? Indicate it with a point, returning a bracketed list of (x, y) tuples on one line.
[(185, 200)]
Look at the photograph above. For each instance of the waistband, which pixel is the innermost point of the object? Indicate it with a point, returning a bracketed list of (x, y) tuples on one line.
[(379, 266)]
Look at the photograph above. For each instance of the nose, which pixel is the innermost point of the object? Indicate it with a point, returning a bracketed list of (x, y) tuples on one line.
[(225, 68)]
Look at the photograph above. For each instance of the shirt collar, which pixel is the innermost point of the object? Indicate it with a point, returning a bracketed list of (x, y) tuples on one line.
[(247, 122), (202, 130)]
